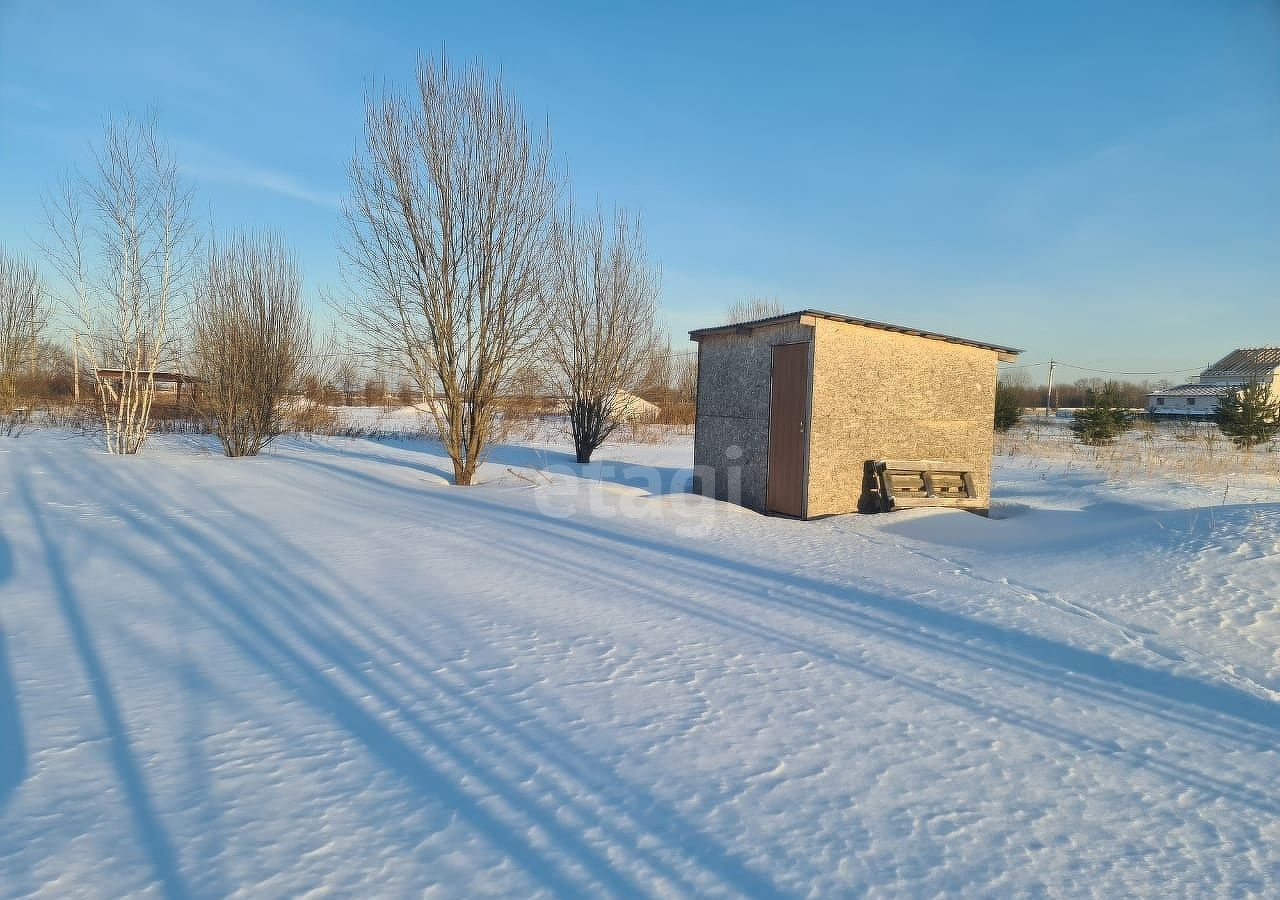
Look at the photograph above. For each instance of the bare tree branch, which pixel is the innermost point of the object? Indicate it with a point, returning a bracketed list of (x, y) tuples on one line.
[(250, 340), (753, 308), (603, 341), (123, 241), (446, 248), (24, 316)]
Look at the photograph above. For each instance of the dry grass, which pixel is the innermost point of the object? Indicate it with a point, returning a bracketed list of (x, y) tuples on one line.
[(643, 433), (679, 415), (520, 427), (528, 406), (312, 418), (1150, 450), (86, 418), (14, 422)]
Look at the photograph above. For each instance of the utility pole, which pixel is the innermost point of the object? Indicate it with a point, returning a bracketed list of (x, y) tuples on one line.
[(75, 362), (1048, 397)]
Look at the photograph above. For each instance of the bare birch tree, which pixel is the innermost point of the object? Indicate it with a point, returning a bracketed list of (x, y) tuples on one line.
[(446, 248), (250, 340), (603, 340), (24, 316), (123, 240)]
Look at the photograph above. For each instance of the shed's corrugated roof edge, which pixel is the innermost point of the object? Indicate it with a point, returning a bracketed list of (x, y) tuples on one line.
[(849, 320)]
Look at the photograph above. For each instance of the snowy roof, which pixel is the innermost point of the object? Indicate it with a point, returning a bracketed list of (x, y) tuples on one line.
[(1191, 390), (1247, 362), (1007, 354)]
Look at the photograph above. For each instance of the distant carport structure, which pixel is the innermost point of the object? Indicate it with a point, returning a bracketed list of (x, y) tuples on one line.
[(794, 412), (169, 385)]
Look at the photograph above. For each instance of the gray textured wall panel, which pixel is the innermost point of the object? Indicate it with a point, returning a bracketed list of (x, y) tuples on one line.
[(733, 411)]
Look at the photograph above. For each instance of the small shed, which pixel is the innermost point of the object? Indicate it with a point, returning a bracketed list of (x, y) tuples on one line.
[(168, 385), (794, 410)]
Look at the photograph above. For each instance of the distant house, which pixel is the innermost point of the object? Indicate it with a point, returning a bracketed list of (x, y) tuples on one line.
[(630, 408), (795, 410), (1199, 397), (627, 407)]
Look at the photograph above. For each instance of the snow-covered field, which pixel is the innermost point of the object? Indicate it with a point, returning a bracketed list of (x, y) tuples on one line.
[(325, 671)]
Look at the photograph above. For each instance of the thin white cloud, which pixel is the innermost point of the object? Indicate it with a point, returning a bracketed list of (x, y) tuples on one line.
[(204, 163)]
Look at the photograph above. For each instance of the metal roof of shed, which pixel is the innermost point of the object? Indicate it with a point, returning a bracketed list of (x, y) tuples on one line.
[(1006, 354)]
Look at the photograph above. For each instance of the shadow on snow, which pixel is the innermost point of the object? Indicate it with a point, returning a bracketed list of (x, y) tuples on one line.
[(150, 830), (284, 610), (655, 479), (292, 616), (13, 745)]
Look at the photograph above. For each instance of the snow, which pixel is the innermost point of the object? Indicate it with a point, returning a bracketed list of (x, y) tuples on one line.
[(327, 670)]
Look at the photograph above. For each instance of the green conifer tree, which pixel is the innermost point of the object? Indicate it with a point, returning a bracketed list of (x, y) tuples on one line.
[(1248, 416), (1008, 406), (1104, 419)]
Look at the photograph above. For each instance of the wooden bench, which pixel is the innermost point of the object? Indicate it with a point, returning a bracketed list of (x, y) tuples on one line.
[(904, 483)]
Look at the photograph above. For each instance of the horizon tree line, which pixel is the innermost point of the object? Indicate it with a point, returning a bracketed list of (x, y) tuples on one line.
[(468, 271), (463, 266)]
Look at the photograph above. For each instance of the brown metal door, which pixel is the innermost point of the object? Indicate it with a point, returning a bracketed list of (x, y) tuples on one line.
[(788, 406)]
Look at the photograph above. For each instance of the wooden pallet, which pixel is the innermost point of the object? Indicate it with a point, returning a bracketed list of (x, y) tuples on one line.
[(906, 483)]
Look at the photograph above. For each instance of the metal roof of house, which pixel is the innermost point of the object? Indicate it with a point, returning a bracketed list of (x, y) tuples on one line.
[(1192, 390), (1247, 362), (1006, 354)]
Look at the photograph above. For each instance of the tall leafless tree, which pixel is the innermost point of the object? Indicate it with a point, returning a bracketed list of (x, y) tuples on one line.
[(753, 308), (684, 378), (346, 377), (406, 393), (603, 340), (375, 391), (250, 340), (24, 315), (446, 248), (55, 371), (123, 240)]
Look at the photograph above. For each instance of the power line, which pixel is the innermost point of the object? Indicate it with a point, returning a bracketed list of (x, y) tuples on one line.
[(1110, 372), (1065, 365), (342, 355)]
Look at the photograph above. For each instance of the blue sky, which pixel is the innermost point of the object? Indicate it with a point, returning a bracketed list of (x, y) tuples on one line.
[(1097, 182)]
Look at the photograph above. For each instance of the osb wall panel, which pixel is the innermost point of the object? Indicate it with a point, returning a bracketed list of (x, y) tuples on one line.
[(731, 433), (880, 394)]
